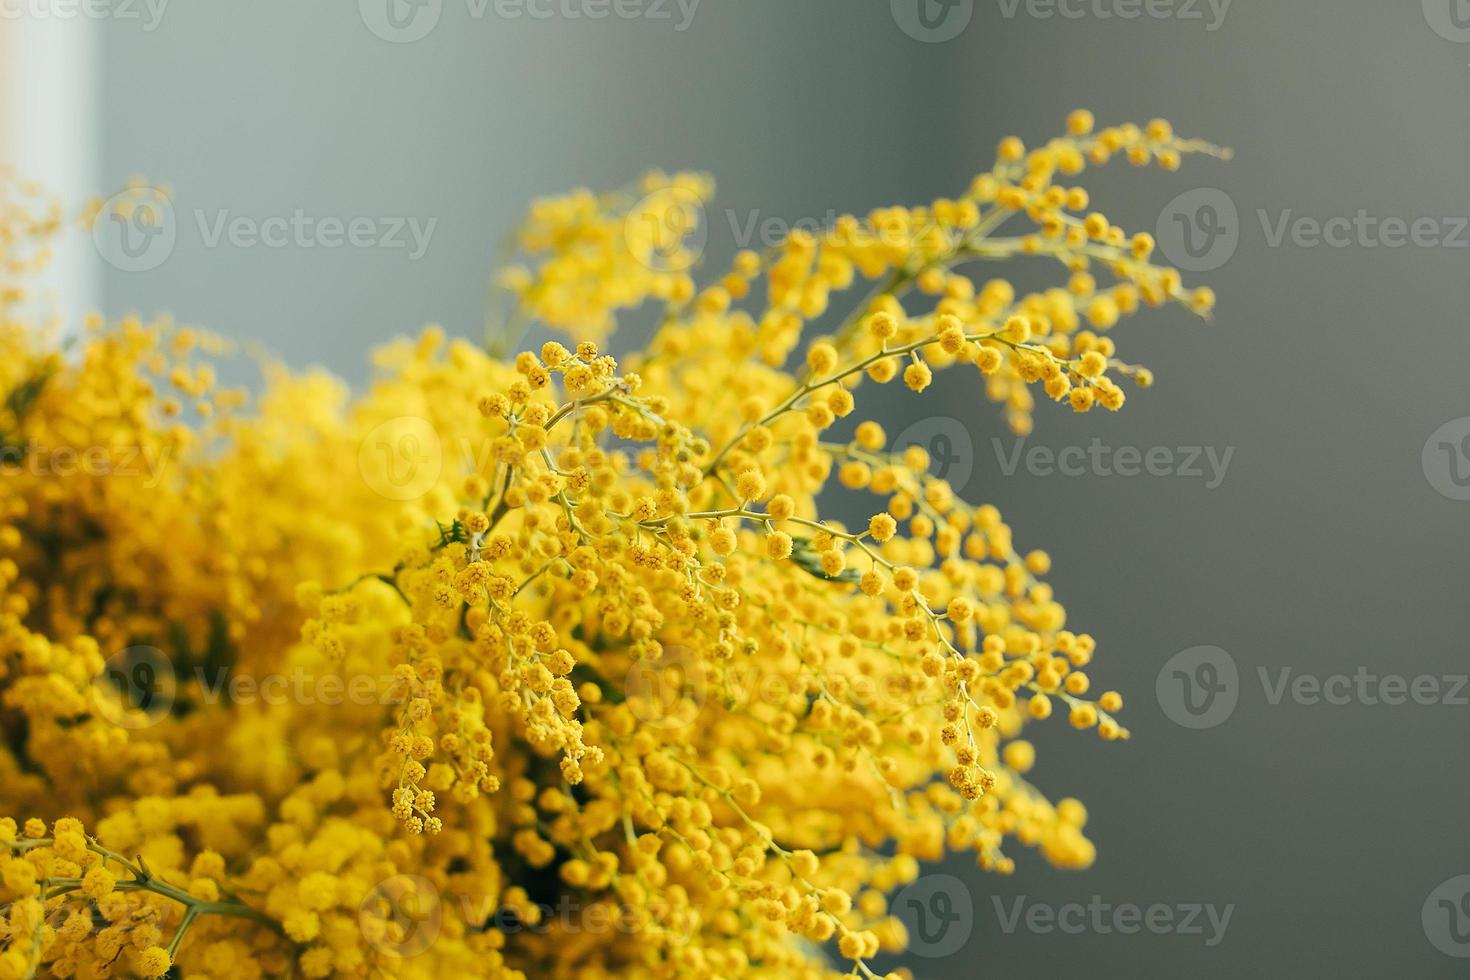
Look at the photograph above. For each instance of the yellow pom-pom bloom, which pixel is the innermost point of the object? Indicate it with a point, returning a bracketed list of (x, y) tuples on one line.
[(917, 376), (750, 484), (882, 527)]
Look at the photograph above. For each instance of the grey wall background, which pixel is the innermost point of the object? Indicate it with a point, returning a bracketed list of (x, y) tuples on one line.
[(267, 107), (1326, 548)]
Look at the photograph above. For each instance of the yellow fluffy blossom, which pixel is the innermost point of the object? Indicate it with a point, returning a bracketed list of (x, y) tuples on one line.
[(550, 664)]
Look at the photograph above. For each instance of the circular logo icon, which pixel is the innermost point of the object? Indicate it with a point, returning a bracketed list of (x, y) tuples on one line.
[(400, 21), (1446, 459), (401, 916), (932, 21), (136, 230), (1446, 917), (28, 914), (1199, 230), (135, 688), (1450, 19), (1199, 687), (667, 230), (667, 692), (401, 458), (950, 447), (938, 913)]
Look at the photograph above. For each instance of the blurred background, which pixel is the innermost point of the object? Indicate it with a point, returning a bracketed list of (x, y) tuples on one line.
[(1265, 591)]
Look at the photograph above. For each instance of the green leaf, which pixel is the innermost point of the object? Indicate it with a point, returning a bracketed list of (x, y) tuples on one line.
[(809, 560)]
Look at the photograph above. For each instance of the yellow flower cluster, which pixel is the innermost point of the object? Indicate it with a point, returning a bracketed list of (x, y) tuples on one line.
[(597, 254), (548, 666)]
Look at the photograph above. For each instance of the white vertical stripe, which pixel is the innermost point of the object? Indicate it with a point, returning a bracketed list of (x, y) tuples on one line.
[(50, 134)]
